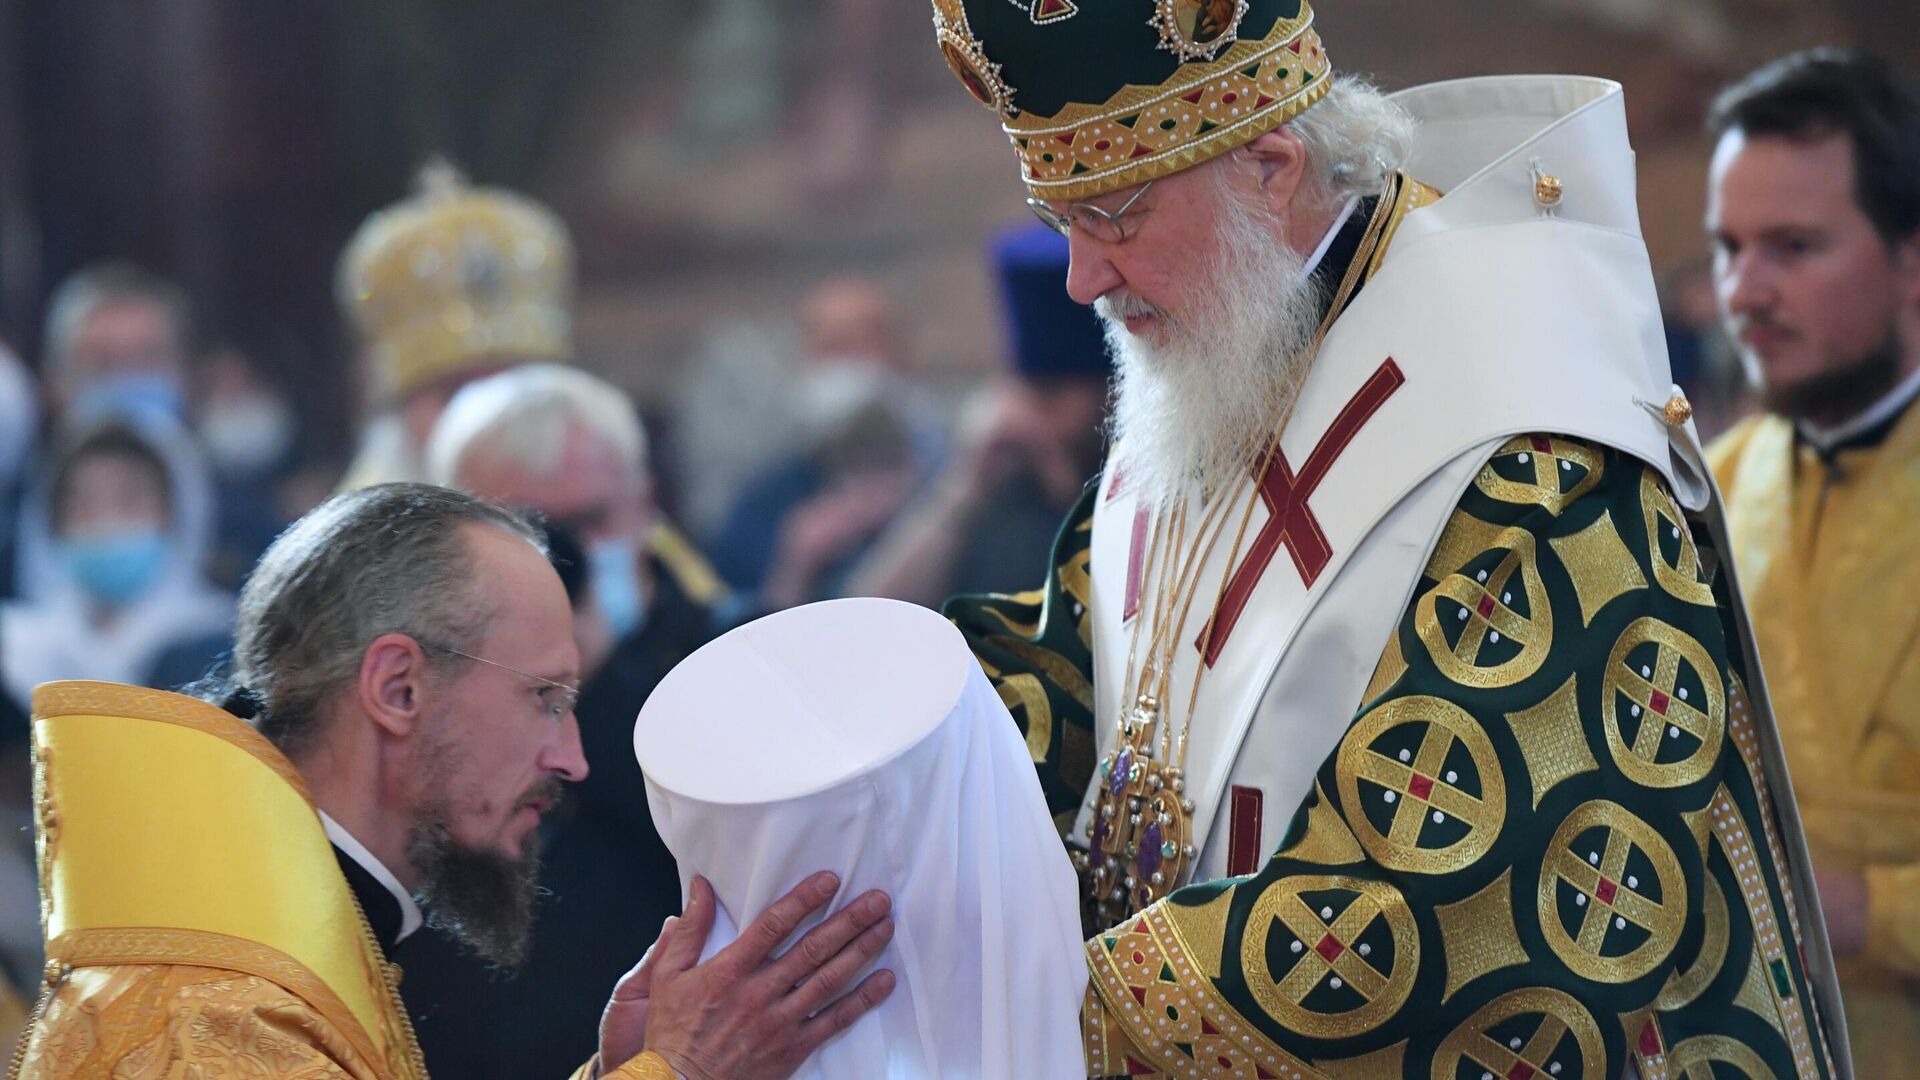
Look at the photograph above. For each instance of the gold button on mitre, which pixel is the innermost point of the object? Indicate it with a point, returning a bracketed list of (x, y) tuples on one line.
[(1547, 190), (1677, 411)]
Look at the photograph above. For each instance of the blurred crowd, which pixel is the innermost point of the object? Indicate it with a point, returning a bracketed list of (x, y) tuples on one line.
[(146, 461)]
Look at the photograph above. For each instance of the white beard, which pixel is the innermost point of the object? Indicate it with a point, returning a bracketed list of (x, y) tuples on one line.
[(1201, 408)]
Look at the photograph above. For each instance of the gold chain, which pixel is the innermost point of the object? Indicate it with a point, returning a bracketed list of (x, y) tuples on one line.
[(1142, 818)]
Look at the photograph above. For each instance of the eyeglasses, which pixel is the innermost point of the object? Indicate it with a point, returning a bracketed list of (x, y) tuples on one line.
[(557, 708), (1100, 224)]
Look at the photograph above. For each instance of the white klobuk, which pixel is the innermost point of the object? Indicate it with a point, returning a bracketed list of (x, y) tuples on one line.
[(1504, 317), (861, 737)]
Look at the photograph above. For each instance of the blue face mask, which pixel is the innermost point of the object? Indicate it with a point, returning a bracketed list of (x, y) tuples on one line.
[(115, 569), (131, 394), (614, 578)]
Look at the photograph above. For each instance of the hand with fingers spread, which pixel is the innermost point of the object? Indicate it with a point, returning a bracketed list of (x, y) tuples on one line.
[(747, 1014)]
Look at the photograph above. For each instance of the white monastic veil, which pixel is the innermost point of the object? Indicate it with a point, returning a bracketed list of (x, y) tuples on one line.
[(860, 736)]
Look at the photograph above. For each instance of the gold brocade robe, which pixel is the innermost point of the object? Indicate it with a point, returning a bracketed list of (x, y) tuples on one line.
[(1826, 552), (197, 920)]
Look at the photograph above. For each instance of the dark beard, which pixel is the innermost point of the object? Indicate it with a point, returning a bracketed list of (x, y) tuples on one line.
[(482, 899), (1839, 394)]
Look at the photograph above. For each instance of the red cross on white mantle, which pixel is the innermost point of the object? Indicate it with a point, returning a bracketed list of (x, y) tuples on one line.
[(1290, 521)]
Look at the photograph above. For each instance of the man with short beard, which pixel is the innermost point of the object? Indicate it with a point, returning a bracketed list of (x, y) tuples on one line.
[(1387, 687), (1814, 215), (225, 885)]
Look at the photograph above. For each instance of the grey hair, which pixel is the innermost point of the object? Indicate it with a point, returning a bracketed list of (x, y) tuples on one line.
[(524, 413), (1357, 135), (384, 559), (95, 287)]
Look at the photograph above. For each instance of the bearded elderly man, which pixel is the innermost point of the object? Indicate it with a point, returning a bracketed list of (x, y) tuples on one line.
[(224, 898), (1388, 686)]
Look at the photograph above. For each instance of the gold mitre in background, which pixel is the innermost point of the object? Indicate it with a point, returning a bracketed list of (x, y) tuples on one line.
[(456, 277)]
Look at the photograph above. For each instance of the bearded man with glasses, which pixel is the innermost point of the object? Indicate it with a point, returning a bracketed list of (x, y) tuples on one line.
[(228, 881), (1387, 687)]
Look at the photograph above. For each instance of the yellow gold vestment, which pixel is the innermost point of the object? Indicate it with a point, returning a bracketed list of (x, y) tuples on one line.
[(197, 921), (1825, 552)]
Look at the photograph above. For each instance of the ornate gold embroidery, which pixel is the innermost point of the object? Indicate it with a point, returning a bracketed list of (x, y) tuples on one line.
[(1063, 674), (1756, 993), (1157, 997), (1738, 841), (1142, 132), (1563, 470), (46, 831), (1688, 1058), (1666, 523), (1405, 748), (1561, 1018), (1600, 565), (163, 946), (1025, 691), (1327, 841), (1335, 988), (1644, 690), (1481, 607), (1626, 927), (1478, 934), (1683, 986), (1384, 1064), (1552, 739)]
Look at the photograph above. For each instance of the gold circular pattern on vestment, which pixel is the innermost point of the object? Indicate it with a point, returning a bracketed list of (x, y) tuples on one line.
[(1692, 1059), (1485, 618), (1651, 697), (1613, 898), (1559, 1015), (1329, 954), (1563, 470), (1665, 521), (1420, 787)]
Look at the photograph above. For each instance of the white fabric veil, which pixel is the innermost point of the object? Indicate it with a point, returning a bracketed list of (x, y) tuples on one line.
[(860, 736)]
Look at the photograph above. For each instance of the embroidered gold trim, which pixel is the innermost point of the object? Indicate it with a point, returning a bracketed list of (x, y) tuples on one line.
[(1143, 132), (80, 698), (106, 947)]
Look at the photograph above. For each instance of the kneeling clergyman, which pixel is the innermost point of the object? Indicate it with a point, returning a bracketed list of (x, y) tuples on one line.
[(225, 887), (1389, 685)]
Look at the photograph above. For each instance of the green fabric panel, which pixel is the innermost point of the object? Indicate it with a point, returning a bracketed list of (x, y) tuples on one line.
[(1086, 58), (1579, 651)]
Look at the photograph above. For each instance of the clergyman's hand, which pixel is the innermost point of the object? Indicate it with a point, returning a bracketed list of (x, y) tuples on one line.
[(623, 1026), (747, 1014)]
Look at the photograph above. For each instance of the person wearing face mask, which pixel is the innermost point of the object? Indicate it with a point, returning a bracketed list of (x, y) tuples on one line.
[(115, 532), (570, 448), (252, 439), (117, 338)]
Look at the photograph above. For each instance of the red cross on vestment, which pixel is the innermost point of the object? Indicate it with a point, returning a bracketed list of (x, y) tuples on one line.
[(1290, 521)]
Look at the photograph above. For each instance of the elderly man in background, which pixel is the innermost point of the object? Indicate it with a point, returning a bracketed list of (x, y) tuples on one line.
[(224, 885), (1405, 719), (570, 448), (117, 341), (1814, 215), (447, 286)]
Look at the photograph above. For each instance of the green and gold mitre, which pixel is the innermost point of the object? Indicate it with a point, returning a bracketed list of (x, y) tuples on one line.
[(1099, 95)]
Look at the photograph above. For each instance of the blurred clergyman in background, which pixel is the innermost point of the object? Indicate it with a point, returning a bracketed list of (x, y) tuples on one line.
[(445, 287), (570, 447), (1814, 215), (1028, 443)]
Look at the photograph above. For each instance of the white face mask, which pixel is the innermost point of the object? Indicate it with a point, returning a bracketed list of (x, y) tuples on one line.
[(248, 435)]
